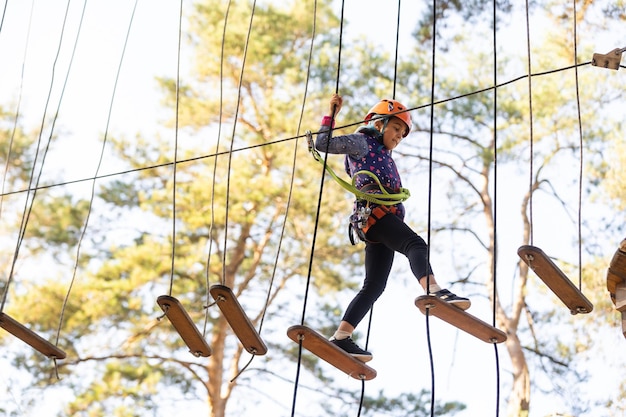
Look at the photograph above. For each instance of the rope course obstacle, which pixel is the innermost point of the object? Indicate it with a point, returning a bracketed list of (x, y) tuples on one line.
[(541, 263), (307, 338), (616, 282), (238, 320), (31, 338)]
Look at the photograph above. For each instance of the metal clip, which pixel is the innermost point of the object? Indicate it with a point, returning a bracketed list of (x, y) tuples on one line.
[(611, 60), (363, 214), (309, 140)]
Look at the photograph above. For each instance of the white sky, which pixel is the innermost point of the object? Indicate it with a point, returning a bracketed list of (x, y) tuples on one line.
[(465, 367)]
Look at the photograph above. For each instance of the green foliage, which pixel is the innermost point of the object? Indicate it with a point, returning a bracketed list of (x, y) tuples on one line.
[(228, 209)]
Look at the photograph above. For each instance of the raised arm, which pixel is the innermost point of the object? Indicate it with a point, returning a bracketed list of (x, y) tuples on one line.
[(354, 144)]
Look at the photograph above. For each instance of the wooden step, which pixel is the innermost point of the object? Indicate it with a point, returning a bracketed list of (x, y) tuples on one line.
[(238, 320), (323, 349), (555, 279), (616, 282), (183, 324), (28, 336), (459, 318)]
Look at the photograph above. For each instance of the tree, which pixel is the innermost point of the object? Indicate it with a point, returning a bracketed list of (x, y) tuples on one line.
[(464, 157), (228, 210)]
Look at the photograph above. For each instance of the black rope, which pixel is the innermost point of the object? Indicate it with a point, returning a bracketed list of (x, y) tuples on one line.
[(530, 110), (580, 172), (494, 295), (4, 13), (395, 62), (232, 141), (217, 147), (93, 185), (430, 190), (177, 105), (32, 191), (316, 226), (291, 183), (278, 141), (18, 106)]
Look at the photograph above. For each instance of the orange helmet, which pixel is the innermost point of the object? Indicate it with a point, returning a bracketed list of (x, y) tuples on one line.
[(391, 107)]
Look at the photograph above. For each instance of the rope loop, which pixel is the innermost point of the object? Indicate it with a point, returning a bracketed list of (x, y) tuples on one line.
[(385, 199)]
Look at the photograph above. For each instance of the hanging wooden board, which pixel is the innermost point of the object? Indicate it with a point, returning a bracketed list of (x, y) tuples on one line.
[(616, 274), (459, 318), (555, 279), (28, 336), (322, 348), (616, 282), (183, 324), (238, 320)]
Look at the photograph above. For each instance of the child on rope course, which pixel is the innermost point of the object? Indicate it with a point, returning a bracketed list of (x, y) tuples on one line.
[(381, 226)]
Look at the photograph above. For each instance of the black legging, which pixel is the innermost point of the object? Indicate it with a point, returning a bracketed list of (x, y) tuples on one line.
[(392, 235)]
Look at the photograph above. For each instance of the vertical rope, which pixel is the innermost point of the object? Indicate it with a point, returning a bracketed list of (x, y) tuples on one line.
[(93, 184), (580, 145), (13, 131), (430, 191), (306, 87), (232, 141), (321, 191), (530, 109), (317, 217), (494, 295), (175, 164), (395, 62), (32, 189), (19, 103), (217, 148)]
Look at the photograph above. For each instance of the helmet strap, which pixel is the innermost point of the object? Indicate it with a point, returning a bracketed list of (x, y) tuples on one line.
[(372, 124), (385, 121)]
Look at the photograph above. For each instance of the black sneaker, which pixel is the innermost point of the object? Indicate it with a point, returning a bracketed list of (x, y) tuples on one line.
[(455, 300), (352, 348)]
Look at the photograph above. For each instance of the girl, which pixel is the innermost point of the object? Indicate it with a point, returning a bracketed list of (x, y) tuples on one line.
[(381, 227)]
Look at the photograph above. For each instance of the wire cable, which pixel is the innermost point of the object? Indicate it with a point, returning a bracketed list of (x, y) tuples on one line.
[(281, 140), (175, 165), (494, 295), (430, 190), (32, 191), (530, 124), (232, 141), (580, 136)]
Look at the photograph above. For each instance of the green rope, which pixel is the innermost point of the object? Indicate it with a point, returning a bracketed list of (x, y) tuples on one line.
[(385, 199)]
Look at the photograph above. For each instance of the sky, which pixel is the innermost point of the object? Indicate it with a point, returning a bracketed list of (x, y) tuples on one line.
[(464, 366)]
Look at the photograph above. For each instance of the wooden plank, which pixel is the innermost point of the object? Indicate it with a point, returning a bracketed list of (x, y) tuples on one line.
[(555, 279), (28, 336), (616, 274), (616, 282), (459, 318), (183, 324), (337, 357), (238, 320)]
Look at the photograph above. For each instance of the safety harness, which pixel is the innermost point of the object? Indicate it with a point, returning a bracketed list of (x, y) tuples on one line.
[(365, 217)]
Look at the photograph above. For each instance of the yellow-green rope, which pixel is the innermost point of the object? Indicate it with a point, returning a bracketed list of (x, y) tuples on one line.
[(386, 198)]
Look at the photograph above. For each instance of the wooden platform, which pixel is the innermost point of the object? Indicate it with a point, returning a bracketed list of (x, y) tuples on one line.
[(322, 348), (184, 325), (555, 279), (616, 282), (459, 318), (238, 320), (28, 336)]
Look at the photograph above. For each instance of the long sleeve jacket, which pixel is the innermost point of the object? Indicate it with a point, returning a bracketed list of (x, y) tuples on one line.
[(364, 152)]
